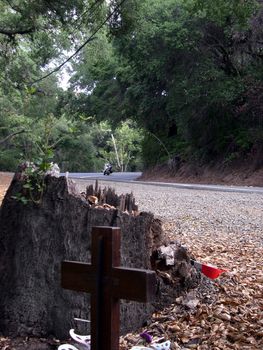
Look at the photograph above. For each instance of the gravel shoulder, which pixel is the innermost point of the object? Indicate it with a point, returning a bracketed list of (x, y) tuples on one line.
[(219, 228), (193, 210)]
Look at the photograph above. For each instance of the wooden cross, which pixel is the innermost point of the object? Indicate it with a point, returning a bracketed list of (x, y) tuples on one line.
[(108, 283)]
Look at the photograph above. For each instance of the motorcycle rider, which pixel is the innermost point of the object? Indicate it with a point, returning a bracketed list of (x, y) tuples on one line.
[(107, 168)]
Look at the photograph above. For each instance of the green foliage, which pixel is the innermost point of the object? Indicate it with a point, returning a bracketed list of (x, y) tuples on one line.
[(120, 146), (180, 69), (9, 159), (128, 140), (77, 153), (235, 14), (152, 152), (243, 140), (175, 78), (33, 176)]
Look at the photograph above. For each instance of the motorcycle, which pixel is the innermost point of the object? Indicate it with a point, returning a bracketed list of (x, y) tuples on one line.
[(107, 169)]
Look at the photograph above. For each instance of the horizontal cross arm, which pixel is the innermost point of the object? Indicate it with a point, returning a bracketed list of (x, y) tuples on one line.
[(77, 276), (126, 283), (134, 284)]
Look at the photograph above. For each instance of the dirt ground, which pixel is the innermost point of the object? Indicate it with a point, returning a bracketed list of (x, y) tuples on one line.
[(5, 179), (189, 173)]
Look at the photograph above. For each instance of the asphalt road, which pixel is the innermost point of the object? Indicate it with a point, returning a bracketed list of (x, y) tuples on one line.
[(115, 176), (132, 176)]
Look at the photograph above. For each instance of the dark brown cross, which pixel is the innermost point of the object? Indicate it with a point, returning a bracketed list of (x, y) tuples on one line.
[(108, 283)]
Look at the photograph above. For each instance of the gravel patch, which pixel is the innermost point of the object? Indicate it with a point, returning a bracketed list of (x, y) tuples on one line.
[(196, 211)]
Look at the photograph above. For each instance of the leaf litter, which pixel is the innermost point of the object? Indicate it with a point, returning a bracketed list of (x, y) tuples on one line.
[(226, 313)]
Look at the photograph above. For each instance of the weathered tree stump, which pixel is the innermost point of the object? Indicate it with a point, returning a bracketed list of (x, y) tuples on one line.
[(108, 197), (34, 239)]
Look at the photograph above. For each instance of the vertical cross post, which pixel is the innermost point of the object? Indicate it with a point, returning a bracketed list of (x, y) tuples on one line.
[(108, 283)]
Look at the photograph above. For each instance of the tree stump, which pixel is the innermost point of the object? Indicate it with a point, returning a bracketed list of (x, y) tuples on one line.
[(35, 239)]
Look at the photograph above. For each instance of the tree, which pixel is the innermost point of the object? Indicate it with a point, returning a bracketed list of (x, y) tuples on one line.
[(188, 73), (127, 143), (32, 36), (180, 71), (120, 146)]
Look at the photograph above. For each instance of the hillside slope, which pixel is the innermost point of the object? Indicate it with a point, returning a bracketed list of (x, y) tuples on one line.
[(238, 175)]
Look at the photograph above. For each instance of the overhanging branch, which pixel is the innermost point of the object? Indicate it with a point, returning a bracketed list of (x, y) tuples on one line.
[(13, 32), (12, 135)]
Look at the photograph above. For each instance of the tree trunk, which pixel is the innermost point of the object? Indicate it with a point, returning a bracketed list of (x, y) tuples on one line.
[(35, 239)]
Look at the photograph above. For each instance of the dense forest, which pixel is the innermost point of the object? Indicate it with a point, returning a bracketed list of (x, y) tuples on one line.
[(150, 81)]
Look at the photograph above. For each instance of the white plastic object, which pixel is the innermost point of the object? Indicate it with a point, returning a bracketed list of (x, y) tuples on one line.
[(81, 320), (54, 170), (161, 346), (81, 339), (156, 346), (67, 347)]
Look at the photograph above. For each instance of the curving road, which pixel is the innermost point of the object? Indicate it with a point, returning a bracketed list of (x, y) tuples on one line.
[(132, 176), (115, 176)]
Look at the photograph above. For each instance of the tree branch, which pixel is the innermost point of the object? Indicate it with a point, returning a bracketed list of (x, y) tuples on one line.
[(12, 135), (13, 32), (15, 8)]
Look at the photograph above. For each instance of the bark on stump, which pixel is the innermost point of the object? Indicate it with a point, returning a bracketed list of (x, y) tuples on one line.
[(35, 239)]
